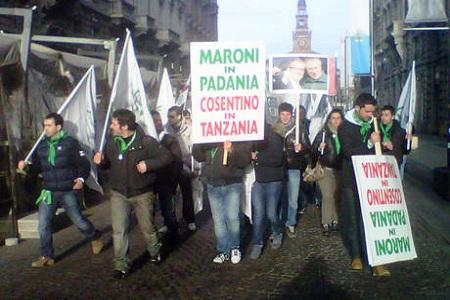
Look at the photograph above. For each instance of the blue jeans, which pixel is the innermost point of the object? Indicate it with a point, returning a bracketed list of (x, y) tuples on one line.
[(225, 206), (265, 201), (289, 204), (69, 201)]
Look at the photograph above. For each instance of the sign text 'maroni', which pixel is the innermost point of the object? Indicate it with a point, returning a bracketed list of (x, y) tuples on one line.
[(229, 56)]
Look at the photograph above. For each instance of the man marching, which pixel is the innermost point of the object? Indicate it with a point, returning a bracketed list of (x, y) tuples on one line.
[(64, 167), (357, 138), (132, 158), (392, 134)]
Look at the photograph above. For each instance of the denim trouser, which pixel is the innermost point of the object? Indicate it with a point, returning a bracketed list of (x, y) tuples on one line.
[(121, 209), (351, 224), (265, 202), (289, 204), (225, 206), (69, 201)]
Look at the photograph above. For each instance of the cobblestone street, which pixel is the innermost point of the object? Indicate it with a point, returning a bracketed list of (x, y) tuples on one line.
[(310, 266)]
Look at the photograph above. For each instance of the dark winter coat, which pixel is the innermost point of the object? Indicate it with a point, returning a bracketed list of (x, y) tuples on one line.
[(398, 139), (215, 172), (70, 163), (124, 176), (270, 163), (170, 173), (297, 160), (329, 158), (351, 144)]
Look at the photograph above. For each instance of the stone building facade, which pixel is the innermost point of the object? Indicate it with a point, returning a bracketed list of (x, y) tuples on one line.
[(162, 29), (396, 49)]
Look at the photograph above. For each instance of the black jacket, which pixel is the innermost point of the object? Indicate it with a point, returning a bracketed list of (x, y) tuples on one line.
[(124, 176), (270, 161), (351, 144), (398, 140), (329, 158), (170, 173), (297, 160), (70, 164), (214, 172)]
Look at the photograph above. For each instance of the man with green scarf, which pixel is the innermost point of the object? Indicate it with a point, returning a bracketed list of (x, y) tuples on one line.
[(393, 136), (357, 137), (132, 159), (64, 167)]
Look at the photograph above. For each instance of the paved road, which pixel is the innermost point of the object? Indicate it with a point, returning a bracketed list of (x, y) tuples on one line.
[(310, 266)]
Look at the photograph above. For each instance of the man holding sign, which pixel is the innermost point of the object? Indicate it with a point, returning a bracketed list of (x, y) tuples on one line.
[(228, 98), (133, 159), (357, 138)]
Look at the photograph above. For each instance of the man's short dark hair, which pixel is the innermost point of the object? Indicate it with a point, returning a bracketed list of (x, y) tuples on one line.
[(389, 108), (285, 107), (56, 117), (125, 117), (176, 109), (365, 99), (155, 113)]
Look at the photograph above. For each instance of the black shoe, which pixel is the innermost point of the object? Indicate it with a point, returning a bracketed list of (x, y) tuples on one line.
[(155, 259), (120, 274)]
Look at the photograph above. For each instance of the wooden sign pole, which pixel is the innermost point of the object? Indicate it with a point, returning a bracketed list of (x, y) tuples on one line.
[(378, 150)]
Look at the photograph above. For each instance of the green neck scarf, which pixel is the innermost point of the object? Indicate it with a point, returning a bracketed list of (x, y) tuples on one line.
[(213, 152), (46, 197), (386, 129), (337, 143), (123, 146), (52, 143), (364, 126)]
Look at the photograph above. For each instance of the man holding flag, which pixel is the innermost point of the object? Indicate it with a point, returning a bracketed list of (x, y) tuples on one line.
[(133, 158), (393, 136), (65, 168)]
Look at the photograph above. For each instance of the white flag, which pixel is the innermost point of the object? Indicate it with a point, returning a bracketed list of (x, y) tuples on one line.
[(406, 108), (128, 92), (430, 11), (165, 97), (182, 97), (78, 112), (246, 199)]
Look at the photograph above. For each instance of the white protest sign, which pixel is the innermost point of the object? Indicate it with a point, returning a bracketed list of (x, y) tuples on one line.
[(386, 221), (228, 91)]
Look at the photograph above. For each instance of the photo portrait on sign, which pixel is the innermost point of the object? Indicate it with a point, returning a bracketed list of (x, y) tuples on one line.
[(298, 73)]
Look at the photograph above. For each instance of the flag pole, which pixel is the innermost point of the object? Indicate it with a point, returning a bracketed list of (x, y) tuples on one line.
[(411, 105), (378, 150), (113, 92), (372, 56)]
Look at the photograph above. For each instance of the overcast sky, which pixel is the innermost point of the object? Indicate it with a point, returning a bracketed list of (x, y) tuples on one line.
[(273, 21)]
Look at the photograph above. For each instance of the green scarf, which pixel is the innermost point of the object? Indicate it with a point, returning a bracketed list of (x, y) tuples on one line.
[(213, 152), (52, 143), (364, 126), (123, 146), (46, 197), (386, 129), (337, 143)]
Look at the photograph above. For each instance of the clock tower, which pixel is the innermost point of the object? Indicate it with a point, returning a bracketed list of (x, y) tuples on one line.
[(301, 36)]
